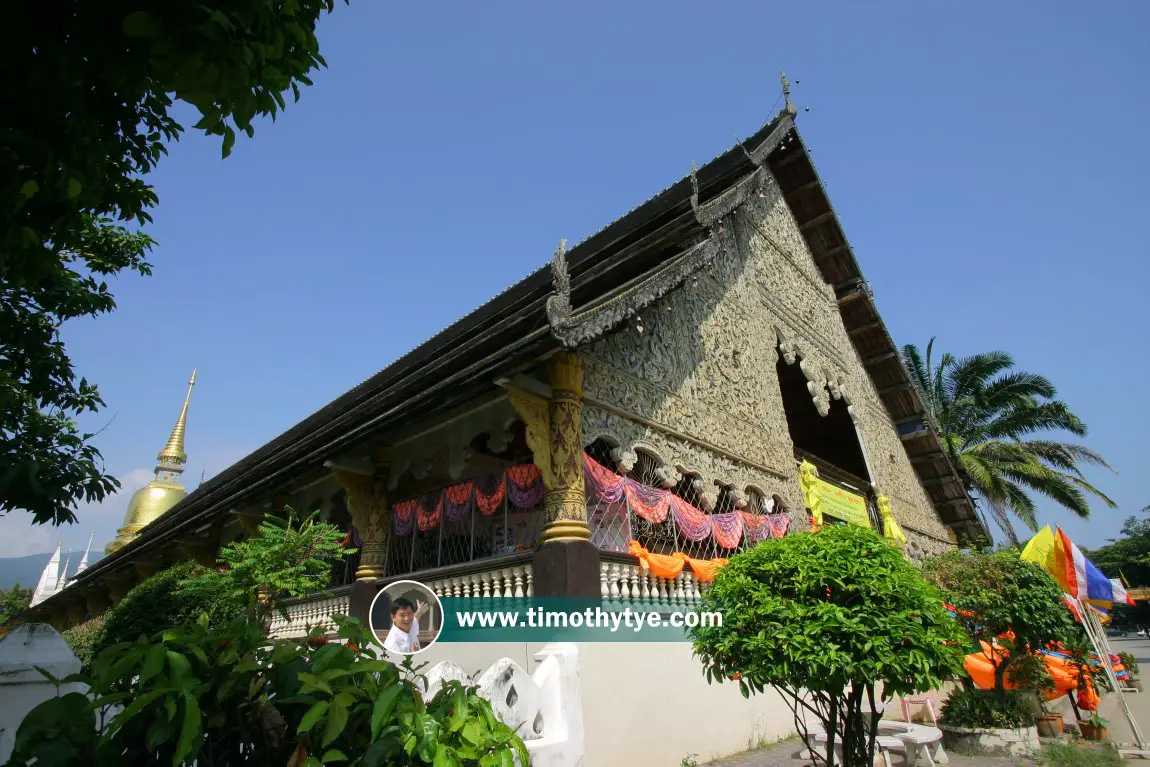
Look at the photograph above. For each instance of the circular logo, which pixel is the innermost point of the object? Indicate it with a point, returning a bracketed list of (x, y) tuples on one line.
[(406, 617)]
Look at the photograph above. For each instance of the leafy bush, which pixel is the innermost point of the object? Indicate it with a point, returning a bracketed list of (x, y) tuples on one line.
[(985, 709), (823, 618), (83, 637), (1029, 672), (163, 602), (291, 557), (226, 696), (1002, 593), (1129, 662)]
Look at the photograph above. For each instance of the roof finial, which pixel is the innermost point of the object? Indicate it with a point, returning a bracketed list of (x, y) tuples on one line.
[(173, 452), (788, 105)]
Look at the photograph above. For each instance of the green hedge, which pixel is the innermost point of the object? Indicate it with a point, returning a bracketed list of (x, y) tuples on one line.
[(83, 637), (161, 603)]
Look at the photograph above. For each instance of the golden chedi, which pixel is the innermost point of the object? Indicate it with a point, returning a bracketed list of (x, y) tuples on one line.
[(165, 490)]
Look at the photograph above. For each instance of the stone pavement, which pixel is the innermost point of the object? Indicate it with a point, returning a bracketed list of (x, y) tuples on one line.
[(792, 754)]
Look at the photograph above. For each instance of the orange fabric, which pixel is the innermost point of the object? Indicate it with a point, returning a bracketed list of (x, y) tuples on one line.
[(489, 504), (524, 475), (660, 565), (669, 566), (704, 569), (458, 494), (981, 670)]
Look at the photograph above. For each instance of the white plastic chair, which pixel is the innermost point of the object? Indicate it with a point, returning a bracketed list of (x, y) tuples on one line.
[(918, 700)]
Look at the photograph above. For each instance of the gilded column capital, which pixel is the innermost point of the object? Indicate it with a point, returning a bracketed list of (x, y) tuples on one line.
[(370, 510), (565, 374), (536, 414)]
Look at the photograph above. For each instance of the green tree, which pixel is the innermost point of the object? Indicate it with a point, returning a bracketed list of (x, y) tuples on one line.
[(824, 618), (988, 415), (163, 601), (13, 601), (90, 91), (999, 592), (291, 557)]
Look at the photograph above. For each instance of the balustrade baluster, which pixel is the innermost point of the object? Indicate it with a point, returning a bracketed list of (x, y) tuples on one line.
[(517, 575), (530, 582)]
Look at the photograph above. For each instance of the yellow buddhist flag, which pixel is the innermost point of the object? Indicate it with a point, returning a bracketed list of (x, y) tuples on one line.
[(1040, 549)]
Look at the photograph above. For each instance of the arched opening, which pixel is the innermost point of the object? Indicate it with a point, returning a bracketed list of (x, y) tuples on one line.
[(828, 441)]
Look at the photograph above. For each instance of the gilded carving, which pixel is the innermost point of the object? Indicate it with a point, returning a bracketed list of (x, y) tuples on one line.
[(536, 414), (566, 505), (367, 502)]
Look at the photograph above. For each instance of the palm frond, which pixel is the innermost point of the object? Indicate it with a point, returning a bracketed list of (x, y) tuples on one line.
[(1065, 455), (1011, 388), (1021, 420), (969, 375)]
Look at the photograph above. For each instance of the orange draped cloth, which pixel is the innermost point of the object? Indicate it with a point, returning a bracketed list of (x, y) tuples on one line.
[(671, 565)]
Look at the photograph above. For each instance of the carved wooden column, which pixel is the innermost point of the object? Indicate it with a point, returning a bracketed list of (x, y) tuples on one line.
[(118, 587), (370, 510), (566, 498), (76, 613), (96, 600), (202, 550), (565, 564)]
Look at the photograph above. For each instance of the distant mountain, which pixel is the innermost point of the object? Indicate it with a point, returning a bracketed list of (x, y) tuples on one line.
[(26, 570)]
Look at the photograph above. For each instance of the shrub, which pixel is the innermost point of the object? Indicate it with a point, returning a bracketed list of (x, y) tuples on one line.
[(163, 602), (1129, 662), (1002, 593), (985, 709), (83, 637), (824, 618), (227, 696)]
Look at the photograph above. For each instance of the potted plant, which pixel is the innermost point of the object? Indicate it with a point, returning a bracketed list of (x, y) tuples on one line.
[(1094, 728), (1029, 673), (1131, 666)]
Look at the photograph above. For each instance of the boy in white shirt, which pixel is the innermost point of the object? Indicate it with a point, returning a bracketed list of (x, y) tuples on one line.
[(403, 637)]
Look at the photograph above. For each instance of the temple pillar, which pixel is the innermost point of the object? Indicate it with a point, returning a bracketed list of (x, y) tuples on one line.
[(566, 563), (250, 522), (96, 600), (370, 510), (203, 551), (75, 613), (118, 589), (146, 568)]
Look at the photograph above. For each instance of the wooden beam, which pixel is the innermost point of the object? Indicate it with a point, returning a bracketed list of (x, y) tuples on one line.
[(917, 434), (814, 184), (796, 154), (880, 358), (916, 418), (929, 481), (953, 502), (834, 252), (853, 295), (819, 219), (895, 387), (926, 457), (864, 328)]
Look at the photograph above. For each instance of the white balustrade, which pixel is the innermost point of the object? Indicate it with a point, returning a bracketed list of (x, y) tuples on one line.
[(306, 614), (622, 580), (498, 583)]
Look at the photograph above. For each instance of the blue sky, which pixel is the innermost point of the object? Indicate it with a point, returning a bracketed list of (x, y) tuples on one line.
[(989, 165)]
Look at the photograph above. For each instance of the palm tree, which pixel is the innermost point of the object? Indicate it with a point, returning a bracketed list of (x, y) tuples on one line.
[(988, 416)]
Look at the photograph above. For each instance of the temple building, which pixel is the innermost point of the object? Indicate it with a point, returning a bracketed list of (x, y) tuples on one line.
[(706, 371)]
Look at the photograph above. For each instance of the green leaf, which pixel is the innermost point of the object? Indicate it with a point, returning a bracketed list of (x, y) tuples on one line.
[(336, 720), (444, 757), (153, 662), (229, 140), (472, 734), (74, 188), (333, 755), (313, 715), (384, 705), (189, 731), (29, 189)]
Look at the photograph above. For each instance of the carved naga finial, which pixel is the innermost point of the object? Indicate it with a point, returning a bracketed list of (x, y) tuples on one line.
[(790, 105), (559, 303)]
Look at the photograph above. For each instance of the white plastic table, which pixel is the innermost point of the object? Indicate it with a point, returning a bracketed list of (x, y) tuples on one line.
[(921, 742)]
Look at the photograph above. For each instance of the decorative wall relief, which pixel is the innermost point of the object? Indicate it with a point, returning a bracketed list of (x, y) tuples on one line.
[(705, 367)]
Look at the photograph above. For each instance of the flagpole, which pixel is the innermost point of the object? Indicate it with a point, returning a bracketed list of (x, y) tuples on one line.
[(1089, 622)]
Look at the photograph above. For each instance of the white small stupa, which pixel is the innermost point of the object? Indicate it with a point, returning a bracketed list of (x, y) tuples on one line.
[(49, 579)]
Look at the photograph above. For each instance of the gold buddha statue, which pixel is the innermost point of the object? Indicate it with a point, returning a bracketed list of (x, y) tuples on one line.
[(150, 502)]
